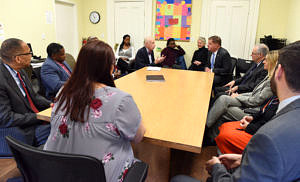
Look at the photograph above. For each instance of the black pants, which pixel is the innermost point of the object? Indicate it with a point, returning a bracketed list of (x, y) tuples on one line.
[(122, 65)]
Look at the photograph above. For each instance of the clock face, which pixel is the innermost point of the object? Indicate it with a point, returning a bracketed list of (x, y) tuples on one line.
[(94, 17)]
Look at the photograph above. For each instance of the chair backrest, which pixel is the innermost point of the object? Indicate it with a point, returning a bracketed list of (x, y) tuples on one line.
[(37, 74), (242, 66), (39, 165), (233, 64), (70, 60)]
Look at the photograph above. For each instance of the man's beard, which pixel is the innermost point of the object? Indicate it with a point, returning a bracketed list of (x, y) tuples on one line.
[(273, 85)]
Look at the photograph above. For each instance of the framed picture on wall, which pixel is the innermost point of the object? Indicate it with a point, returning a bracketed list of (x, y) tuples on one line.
[(173, 19)]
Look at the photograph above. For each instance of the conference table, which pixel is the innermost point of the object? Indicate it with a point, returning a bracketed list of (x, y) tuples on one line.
[(173, 111)]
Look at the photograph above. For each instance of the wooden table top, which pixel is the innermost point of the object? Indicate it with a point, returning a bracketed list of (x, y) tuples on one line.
[(174, 112)]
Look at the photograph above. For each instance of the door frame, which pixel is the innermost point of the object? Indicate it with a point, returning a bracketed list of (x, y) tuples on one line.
[(251, 25), (76, 38), (111, 15)]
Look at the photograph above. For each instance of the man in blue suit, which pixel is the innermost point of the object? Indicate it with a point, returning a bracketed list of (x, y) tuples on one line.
[(273, 152), (55, 71)]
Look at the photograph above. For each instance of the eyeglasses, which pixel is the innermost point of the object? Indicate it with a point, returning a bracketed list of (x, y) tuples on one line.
[(24, 54), (254, 53)]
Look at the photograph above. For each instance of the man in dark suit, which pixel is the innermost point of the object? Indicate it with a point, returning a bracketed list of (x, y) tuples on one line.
[(19, 103), (219, 61), (145, 56), (252, 77), (55, 71), (273, 152)]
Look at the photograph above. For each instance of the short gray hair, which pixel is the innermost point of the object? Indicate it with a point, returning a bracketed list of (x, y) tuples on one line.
[(262, 49), (202, 39)]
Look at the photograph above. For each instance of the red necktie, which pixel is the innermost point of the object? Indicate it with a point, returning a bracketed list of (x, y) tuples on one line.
[(27, 94)]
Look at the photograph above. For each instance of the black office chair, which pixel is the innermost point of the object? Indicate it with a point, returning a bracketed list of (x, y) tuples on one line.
[(39, 165), (229, 76), (37, 75), (242, 66)]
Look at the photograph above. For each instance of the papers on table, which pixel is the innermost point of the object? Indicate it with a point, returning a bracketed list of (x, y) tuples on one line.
[(153, 68)]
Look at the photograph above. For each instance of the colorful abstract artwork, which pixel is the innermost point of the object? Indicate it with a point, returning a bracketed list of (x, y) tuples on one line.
[(173, 19)]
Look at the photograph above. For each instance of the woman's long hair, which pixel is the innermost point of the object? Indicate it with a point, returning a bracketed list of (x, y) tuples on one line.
[(122, 44), (94, 64), (272, 58)]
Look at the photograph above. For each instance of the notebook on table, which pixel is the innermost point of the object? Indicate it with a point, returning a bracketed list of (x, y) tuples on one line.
[(155, 78)]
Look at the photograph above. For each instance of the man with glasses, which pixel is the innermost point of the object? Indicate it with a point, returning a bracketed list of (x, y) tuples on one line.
[(18, 102), (252, 77)]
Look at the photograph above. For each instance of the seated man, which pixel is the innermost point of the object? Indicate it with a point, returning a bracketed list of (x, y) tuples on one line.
[(172, 52), (145, 56), (55, 71), (19, 103), (219, 61), (251, 78)]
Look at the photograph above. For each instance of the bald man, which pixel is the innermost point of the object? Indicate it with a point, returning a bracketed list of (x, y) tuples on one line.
[(145, 56)]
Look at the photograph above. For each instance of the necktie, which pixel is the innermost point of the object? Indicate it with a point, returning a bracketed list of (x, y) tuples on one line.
[(27, 94), (65, 68), (212, 61)]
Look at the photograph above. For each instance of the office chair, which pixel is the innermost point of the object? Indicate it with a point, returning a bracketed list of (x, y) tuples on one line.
[(242, 66), (229, 76), (40, 165), (70, 60)]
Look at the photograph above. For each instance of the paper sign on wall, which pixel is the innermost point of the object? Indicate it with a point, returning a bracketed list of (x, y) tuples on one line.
[(49, 17), (2, 32)]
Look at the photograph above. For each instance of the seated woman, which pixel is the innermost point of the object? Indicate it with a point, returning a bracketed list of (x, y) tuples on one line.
[(92, 117), (200, 56), (125, 54), (231, 107), (235, 135), (172, 54)]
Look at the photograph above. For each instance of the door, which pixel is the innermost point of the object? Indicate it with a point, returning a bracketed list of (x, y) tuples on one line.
[(66, 27), (129, 19), (234, 21)]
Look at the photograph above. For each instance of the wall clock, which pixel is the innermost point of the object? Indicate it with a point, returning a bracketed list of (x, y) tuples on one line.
[(94, 17)]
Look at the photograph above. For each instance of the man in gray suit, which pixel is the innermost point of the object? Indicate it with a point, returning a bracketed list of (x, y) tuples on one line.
[(273, 152)]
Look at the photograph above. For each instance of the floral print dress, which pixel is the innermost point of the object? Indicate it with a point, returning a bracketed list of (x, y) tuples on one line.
[(113, 122)]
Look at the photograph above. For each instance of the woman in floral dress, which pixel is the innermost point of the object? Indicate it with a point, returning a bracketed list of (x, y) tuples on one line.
[(92, 117)]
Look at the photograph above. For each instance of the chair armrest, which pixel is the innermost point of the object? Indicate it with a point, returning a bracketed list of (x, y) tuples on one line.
[(137, 172)]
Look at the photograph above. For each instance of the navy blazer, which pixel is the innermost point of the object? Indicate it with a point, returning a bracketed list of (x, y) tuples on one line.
[(248, 82), (15, 110), (142, 59), (222, 62), (53, 76)]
